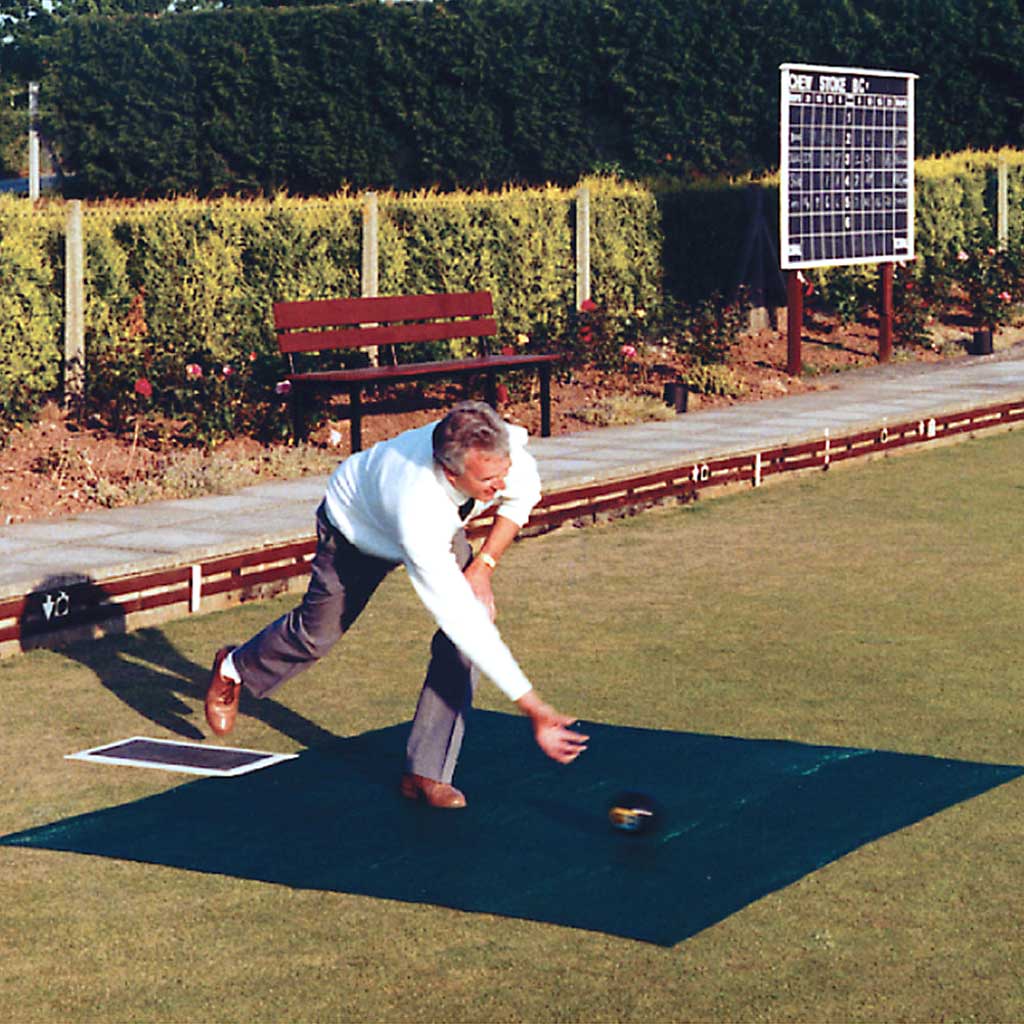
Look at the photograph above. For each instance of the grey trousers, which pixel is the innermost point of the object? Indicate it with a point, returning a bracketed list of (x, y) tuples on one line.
[(342, 582)]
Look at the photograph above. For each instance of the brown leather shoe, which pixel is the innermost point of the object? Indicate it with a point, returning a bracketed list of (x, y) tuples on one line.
[(222, 697), (437, 794)]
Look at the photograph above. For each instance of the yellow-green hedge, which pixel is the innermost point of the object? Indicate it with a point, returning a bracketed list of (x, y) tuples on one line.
[(956, 198), (200, 276), (31, 309), (519, 244)]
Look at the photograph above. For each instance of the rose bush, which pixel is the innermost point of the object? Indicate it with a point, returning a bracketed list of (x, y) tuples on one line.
[(990, 279)]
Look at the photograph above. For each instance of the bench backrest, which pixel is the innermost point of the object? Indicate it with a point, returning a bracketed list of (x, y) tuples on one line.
[(322, 324)]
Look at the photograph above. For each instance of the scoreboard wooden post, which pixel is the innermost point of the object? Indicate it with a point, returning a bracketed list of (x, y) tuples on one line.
[(794, 321), (885, 314), (846, 183)]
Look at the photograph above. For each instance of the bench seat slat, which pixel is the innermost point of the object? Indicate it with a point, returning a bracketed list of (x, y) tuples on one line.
[(446, 367), (391, 334), (289, 316)]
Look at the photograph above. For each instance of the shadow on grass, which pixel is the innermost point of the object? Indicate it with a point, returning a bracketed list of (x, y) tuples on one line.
[(143, 668), (149, 674), (739, 819)]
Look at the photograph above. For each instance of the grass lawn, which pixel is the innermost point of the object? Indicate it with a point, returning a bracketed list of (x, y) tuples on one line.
[(876, 606)]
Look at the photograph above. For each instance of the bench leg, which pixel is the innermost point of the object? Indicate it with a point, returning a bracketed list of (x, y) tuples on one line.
[(298, 420), (545, 400), (355, 410), (491, 389)]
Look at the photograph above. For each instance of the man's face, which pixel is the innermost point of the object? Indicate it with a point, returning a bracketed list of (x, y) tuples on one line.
[(483, 475)]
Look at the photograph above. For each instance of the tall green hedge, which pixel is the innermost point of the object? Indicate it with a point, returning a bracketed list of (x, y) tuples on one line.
[(483, 93)]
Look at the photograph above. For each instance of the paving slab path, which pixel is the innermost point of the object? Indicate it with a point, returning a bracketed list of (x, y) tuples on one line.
[(107, 544)]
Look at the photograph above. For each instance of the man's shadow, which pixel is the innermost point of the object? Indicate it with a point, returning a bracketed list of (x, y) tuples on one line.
[(142, 668)]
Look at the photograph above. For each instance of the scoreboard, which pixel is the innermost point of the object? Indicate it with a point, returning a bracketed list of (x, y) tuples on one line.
[(847, 166)]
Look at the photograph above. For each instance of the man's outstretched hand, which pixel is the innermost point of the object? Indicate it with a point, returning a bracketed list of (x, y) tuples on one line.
[(551, 729)]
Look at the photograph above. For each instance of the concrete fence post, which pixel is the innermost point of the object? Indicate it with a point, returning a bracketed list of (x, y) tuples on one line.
[(1002, 204), (582, 246), (370, 275), (370, 278), (74, 305)]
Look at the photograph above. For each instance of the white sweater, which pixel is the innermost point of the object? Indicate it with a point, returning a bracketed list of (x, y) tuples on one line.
[(393, 501)]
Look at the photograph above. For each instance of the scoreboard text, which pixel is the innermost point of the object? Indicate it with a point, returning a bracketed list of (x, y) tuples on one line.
[(847, 168)]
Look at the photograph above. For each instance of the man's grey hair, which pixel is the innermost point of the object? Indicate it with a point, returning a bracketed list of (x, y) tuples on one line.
[(468, 425)]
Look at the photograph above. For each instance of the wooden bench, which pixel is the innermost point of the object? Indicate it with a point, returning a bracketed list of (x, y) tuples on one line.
[(331, 324)]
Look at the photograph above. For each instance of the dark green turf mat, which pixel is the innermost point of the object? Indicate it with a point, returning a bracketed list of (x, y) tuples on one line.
[(740, 818)]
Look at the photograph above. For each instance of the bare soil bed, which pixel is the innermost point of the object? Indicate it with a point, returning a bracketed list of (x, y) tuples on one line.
[(58, 466)]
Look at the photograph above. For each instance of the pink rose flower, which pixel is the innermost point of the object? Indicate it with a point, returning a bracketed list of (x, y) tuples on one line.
[(283, 387), (193, 370), (144, 388)]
